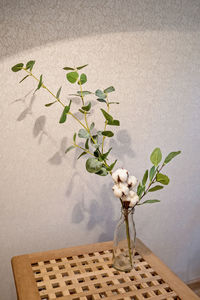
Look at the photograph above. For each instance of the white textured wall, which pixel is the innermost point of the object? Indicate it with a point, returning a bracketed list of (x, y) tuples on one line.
[(150, 52)]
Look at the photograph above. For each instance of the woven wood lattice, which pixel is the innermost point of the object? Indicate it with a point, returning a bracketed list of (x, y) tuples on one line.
[(91, 277)]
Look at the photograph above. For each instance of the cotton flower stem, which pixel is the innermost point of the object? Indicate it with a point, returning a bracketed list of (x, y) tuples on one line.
[(128, 235)]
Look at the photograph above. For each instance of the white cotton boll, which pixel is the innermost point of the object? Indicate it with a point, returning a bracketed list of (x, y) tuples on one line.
[(134, 200), (120, 175), (124, 188), (117, 191), (132, 194), (132, 182)]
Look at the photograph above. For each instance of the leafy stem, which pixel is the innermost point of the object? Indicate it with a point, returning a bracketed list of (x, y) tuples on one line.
[(106, 122), (85, 114), (32, 75), (85, 150), (152, 181)]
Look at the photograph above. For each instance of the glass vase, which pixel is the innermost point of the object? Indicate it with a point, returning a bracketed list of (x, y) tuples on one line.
[(124, 241)]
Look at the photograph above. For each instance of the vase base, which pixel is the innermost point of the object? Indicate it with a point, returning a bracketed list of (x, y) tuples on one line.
[(122, 263)]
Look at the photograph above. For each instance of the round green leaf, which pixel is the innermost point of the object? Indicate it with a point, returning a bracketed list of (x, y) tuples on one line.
[(93, 165), (100, 94), (30, 64), (109, 89), (83, 79), (86, 107), (107, 133), (164, 179), (83, 133), (156, 156), (102, 172), (17, 67), (72, 77)]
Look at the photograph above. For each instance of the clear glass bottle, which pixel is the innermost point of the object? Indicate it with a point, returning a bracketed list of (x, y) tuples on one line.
[(124, 241)]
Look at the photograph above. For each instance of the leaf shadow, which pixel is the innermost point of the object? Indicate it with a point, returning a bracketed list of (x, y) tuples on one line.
[(122, 145)]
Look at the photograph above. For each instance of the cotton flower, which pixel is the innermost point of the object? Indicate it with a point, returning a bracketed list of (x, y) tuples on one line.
[(132, 182), (124, 188), (120, 175), (134, 200), (117, 191)]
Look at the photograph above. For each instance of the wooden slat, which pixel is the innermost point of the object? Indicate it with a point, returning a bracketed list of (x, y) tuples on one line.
[(24, 278)]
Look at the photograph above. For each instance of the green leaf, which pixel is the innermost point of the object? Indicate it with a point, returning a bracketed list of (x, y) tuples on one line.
[(100, 94), (152, 173), (87, 144), (170, 156), (108, 117), (101, 100), (65, 112), (83, 93), (97, 153), (39, 84), (68, 149), (156, 156), (156, 188), (58, 93), (30, 64), (68, 68), (109, 89), (81, 67), (92, 126), (140, 190), (17, 67), (83, 133), (86, 107), (83, 153), (102, 172), (72, 77), (113, 102), (83, 79), (107, 133), (83, 111), (74, 137), (149, 201), (111, 166), (105, 155), (144, 180), (164, 179), (93, 165), (49, 104), (24, 78), (114, 123)]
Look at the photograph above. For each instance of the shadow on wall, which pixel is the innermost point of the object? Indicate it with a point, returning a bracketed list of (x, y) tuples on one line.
[(28, 24), (99, 213)]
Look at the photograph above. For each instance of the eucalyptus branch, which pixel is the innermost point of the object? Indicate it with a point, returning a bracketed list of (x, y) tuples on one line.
[(106, 122), (85, 114), (69, 113), (85, 150)]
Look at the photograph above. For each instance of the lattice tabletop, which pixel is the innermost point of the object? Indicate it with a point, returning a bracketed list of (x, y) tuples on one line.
[(86, 273)]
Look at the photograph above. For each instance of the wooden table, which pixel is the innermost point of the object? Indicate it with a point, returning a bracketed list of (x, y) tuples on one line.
[(86, 273)]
